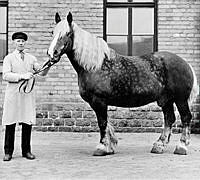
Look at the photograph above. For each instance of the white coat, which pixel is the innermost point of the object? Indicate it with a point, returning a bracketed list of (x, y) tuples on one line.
[(18, 106)]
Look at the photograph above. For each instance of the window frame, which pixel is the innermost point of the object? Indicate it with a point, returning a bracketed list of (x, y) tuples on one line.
[(4, 3), (129, 4)]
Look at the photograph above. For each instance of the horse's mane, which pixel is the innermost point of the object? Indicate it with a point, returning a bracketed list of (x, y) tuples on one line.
[(90, 50)]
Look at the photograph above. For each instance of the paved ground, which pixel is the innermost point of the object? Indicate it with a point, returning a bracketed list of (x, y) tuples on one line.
[(69, 156)]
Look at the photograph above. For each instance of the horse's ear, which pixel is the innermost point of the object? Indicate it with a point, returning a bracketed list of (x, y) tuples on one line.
[(57, 18), (69, 18)]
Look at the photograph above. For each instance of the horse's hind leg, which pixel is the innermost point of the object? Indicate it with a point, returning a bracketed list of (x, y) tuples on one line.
[(186, 117), (108, 141), (169, 118)]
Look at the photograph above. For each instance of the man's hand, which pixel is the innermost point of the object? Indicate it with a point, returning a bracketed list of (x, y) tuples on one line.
[(26, 76)]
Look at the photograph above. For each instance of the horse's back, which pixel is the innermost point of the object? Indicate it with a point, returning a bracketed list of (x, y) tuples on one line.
[(160, 75)]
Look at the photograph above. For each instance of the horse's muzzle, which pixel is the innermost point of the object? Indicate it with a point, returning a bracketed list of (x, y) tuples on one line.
[(55, 59)]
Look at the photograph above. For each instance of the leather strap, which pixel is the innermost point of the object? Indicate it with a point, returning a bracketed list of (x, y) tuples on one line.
[(24, 86)]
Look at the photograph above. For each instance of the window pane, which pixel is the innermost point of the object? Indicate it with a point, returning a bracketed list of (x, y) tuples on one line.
[(143, 0), (2, 46), (117, 21), (117, 0), (143, 21), (130, 0), (142, 45), (118, 43), (3, 21)]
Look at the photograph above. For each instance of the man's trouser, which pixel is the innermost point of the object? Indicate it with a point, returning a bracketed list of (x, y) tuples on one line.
[(10, 138)]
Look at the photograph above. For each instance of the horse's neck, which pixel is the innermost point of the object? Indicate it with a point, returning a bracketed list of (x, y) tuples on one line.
[(74, 63)]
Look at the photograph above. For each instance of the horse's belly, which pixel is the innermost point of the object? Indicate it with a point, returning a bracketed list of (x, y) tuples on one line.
[(131, 101), (138, 94)]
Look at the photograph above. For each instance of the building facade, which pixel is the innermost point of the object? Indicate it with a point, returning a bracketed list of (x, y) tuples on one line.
[(132, 27)]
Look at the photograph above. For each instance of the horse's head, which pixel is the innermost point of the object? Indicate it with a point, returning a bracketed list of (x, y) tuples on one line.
[(62, 38)]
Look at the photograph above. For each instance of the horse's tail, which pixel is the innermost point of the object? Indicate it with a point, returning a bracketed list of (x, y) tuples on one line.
[(195, 88)]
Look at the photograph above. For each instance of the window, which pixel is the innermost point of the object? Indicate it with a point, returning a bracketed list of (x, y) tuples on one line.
[(130, 26), (3, 29)]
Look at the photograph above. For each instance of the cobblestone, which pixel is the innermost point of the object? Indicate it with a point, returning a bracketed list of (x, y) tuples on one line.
[(69, 156)]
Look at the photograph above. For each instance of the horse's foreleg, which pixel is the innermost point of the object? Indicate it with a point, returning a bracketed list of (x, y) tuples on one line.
[(108, 140), (186, 117), (169, 118)]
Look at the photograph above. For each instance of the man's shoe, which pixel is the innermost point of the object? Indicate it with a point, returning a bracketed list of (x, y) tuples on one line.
[(29, 156), (7, 157)]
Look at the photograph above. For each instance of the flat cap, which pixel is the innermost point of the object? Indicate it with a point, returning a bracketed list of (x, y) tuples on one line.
[(19, 35)]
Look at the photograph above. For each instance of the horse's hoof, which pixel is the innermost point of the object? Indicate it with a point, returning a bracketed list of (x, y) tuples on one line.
[(99, 152), (158, 148), (181, 150)]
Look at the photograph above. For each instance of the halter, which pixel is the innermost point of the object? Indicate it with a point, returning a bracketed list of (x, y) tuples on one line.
[(67, 43)]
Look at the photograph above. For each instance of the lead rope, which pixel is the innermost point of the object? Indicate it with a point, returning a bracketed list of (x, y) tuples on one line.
[(25, 82)]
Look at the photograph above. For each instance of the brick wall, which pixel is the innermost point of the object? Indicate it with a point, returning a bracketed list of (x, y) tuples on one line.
[(59, 106)]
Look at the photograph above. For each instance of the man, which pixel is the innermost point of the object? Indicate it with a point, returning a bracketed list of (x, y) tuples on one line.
[(19, 107)]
